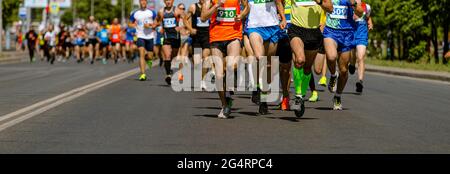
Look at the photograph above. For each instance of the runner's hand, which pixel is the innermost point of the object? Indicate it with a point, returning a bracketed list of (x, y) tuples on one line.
[(147, 26), (221, 2), (238, 18), (370, 26), (194, 31), (283, 24)]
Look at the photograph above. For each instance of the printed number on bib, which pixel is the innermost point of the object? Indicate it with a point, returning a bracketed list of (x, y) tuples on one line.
[(339, 12), (202, 24), (169, 23), (262, 1), (104, 35), (226, 14), (115, 36), (305, 2)]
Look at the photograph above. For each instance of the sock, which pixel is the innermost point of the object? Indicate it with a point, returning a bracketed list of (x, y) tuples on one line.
[(297, 74), (227, 94), (305, 83), (337, 95), (167, 67), (334, 75)]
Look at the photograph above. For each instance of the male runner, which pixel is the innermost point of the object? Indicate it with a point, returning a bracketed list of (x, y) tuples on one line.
[(103, 38), (225, 35), (169, 16), (143, 20), (339, 33), (264, 29), (50, 38), (92, 27), (115, 31), (363, 25), (130, 47), (79, 42)]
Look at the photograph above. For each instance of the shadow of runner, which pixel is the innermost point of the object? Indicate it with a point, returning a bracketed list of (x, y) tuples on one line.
[(328, 108), (211, 116), (215, 108), (292, 119)]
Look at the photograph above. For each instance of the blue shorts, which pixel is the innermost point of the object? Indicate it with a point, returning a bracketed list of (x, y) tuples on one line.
[(146, 43), (271, 33), (361, 35), (158, 40), (343, 38), (283, 33)]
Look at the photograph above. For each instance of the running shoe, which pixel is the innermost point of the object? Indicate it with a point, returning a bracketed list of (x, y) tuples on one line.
[(332, 84), (169, 79), (285, 104), (229, 101), (180, 77), (104, 61), (224, 112), (359, 87), (263, 108), (298, 107), (337, 105), (92, 61), (143, 77), (314, 97), (323, 81), (351, 69), (256, 98), (149, 63)]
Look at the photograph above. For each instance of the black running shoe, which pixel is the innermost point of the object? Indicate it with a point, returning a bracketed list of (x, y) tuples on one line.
[(298, 106), (351, 69), (359, 87), (168, 79), (332, 84), (263, 108)]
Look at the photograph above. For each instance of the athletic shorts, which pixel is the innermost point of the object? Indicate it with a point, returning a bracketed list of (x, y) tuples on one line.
[(201, 41), (361, 35), (187, 40), (175, 43), (104, 45), (312, 38), (130, 42), (343, 38), (222, 45), (284, 51), (146, 43), (158, 41), (91, 41), (271, 33)]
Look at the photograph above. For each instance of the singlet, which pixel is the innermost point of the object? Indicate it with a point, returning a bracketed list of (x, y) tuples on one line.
[(103, 35), (306, 14), (342, 16), (115, 33), (223, 26), (367, 12), (79, 38), (170, 22), (142, 17), (91, 29), (202, 27), (130, 32), (263, 13)]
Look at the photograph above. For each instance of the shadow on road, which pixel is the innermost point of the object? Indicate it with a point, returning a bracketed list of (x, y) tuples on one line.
[(215, 108), (211, 116), (292, 119), (328, 108)]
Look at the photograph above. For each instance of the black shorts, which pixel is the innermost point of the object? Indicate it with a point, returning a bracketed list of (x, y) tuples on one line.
[(222, 45), (175, 43), (92, 42), (146, 43), (104, 45), (312, 38), (201, 40), (321, 49), (284, 51)]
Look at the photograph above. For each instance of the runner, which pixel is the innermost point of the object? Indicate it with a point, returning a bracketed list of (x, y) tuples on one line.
[(306, 39), (185, 41), (41, 44), (363, 25), (92, 27), (264, 29), (285, 55), (115, 39), (200, 34), (225, 36), (158, 44), (50, 38), (63, 43), (31, 38), (143, 20), (338, 41), (130, 47), (79, 42), (103, 38), (169, 16)]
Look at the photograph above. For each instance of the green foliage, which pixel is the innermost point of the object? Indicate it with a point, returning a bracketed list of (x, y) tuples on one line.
[(10, 11), (417, 52)]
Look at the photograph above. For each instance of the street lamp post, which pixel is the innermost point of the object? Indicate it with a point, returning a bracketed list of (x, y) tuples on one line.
[(92, 7), (123, 12), (1, 26)]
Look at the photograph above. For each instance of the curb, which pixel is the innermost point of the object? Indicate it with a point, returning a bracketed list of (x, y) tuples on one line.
[(9, 58), (441, 76)]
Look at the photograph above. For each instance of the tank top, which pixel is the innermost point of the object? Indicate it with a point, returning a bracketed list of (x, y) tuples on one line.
[(342, 16), (223, 26), (170, 22), (306, 14), (263, 13), (202, 27), (115, 33)]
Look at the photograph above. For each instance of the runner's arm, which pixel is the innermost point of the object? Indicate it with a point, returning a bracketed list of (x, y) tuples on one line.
[(188, 19), (358, 8), (158, 19), (280, 8), (326, 5), (208, 9), (370, 23)]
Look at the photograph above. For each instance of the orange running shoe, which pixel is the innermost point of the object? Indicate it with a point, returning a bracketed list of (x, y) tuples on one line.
[(180, 77), (285, 104)]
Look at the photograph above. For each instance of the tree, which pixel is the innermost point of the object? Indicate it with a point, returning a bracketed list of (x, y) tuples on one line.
[(10, 11)]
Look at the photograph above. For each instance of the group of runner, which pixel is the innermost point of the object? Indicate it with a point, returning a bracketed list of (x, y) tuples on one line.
[(304, 34)]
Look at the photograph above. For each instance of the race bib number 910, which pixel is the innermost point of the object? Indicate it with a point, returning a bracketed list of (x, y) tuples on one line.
[(305, 2), (226, 14), (339, 12)]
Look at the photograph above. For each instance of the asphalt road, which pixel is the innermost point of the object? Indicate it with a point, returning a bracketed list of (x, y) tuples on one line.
[(394, 115)]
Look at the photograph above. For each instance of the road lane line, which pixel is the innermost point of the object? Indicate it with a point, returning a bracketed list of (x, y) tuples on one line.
[(40, 107)]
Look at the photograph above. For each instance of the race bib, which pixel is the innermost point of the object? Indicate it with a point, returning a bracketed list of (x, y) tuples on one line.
[(305, 2), (226, 14), (104, 35), (339, 12), (262, 1), (115, 36), (202, 24), (170, 23)]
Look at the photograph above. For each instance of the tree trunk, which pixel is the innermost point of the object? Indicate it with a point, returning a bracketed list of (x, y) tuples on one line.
[(446, 25), (435, 42)]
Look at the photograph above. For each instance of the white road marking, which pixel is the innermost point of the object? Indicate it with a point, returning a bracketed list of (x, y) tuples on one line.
[(23, 114)]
